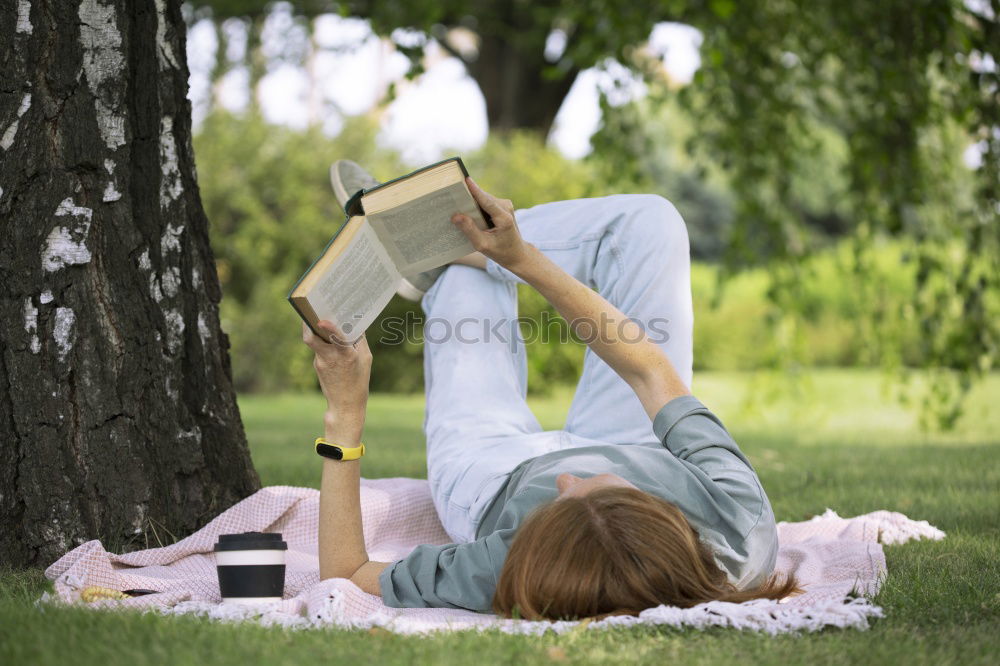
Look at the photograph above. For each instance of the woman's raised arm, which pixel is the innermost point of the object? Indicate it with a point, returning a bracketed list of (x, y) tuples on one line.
[(619, 341), (343, 372)]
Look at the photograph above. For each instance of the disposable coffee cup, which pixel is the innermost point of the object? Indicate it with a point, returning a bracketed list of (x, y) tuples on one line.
[(251, 567)]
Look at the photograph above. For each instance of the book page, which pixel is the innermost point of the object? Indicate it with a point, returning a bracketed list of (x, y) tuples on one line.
[(357, 286), (419, 235)]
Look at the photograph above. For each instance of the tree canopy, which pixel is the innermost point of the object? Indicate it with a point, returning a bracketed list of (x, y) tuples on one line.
[(896, 89), (906, 86)]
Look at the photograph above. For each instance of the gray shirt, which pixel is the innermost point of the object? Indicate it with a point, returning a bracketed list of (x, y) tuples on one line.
[(699, 468)]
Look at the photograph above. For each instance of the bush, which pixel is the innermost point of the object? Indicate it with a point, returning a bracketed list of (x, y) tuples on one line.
[(271, 210), (270, 207), (738, 328)]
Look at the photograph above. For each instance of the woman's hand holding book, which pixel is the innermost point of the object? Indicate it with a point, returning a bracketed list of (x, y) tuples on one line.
[(503, 243), (343, 370)]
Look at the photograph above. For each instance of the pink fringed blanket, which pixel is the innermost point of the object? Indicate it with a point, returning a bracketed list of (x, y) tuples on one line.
[(834, 558)]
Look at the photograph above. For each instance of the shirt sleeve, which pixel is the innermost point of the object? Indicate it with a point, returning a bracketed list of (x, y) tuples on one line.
[(695, 435), (449, 576)]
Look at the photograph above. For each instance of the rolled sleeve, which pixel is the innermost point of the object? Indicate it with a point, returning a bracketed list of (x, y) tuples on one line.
[(686, 427), (449, 576), (697, 437)]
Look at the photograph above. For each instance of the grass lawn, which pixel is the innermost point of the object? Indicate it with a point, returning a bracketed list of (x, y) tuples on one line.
[(837, 440)]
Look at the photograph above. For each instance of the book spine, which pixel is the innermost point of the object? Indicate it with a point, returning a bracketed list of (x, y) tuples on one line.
[(353, 205), (309, 318)]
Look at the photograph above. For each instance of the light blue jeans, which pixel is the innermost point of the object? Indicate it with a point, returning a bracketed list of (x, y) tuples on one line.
[(631, 248)]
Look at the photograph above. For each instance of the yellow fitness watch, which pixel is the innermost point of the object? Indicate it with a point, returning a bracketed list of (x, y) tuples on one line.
[(335, 452)]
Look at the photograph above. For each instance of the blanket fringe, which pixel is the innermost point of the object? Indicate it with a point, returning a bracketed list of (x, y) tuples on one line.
[(761, 615), (268, 615), (893, 528)]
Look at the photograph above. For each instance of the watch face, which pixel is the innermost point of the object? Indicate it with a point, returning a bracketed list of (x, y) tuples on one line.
[(328, 451)]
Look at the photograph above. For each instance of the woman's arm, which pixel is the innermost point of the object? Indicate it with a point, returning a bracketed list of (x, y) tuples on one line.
[(615, 338), (343, 372)]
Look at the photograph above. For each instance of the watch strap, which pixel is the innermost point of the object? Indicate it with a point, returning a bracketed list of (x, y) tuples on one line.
[(335, 452)]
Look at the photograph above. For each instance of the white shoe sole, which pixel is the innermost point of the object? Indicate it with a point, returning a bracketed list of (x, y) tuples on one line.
[(338, 187), (408, 291)]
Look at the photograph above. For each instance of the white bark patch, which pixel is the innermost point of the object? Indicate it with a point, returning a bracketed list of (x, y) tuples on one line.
[(62, 332), (54, 534), (203, 331), (8, 136), (30, 316), (65, 246), (170, 241), (139, 519), (170, 180), (154, 288), (195, 278), (110, 193), (24, 17), (164, 51), (102, 63), (45, 297), (154, 282), (67, 207), (175, 330), (111, 124), (31, 324), (171, 281)]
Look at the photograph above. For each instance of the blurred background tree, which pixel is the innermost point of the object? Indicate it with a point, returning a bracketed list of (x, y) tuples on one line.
[(816, 156)]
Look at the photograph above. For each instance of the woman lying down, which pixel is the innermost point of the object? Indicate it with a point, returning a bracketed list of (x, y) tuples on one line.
[(643, 499)]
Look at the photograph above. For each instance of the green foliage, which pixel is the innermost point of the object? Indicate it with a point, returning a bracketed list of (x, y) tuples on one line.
[(738, 327), (818, 120), (640, 148), (597, 29), (521, 167), (898, 83), (271, 210), (223, 9), (647, 146)]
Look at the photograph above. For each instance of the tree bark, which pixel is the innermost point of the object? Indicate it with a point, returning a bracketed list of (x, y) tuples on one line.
[(517, 95), (118, 418)]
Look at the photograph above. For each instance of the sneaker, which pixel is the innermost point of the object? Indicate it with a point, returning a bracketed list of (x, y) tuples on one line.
[(413, 288), (347, 178)]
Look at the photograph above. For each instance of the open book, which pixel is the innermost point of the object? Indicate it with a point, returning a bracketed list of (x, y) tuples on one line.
[(399, 228)]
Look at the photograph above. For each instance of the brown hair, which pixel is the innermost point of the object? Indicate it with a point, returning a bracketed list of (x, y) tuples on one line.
[(614, 551)]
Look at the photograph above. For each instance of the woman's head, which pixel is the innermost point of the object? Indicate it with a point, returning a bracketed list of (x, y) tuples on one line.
[(614, 550)]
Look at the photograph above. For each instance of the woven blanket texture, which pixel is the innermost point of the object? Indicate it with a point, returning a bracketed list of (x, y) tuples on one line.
[(838, 561)]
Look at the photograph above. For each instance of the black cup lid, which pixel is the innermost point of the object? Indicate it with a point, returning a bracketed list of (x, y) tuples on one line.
[(251, 541)]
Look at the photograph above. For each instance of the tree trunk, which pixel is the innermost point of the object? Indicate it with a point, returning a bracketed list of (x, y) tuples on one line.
[(118, 418), (517, 95)]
